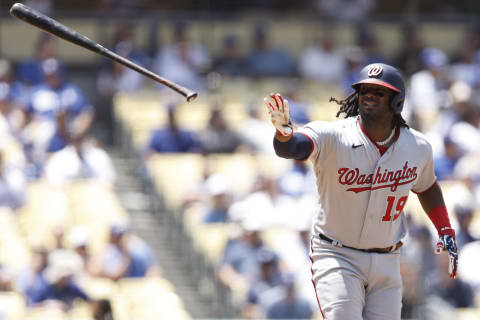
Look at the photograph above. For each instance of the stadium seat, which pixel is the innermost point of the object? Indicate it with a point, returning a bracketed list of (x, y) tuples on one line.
[(80, 310), (174, 175), (468, 314), (210, 239), (149, 298), (95, 206), (50, 313), (99, 288), (273, 236), (12, 306), (12, 242)]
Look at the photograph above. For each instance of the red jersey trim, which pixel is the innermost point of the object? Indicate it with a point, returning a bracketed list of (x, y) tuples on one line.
[(380, 148)]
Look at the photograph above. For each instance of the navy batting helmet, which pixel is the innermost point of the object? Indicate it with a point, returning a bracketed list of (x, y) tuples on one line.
[(386, 76)]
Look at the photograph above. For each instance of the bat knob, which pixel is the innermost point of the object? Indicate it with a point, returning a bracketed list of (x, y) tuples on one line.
[(191, 96)]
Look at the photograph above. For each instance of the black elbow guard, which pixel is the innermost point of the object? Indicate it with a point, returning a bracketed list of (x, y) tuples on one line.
[(298, 147), (282, 149)]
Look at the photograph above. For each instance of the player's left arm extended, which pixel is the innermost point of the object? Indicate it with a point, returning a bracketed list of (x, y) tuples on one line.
[(287, 143), (433, 204)]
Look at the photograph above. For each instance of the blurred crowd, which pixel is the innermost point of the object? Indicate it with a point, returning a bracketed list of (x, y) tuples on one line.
[(46, 121)]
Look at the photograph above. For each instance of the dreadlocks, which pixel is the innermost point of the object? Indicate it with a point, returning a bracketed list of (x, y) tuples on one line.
[(349, 106)]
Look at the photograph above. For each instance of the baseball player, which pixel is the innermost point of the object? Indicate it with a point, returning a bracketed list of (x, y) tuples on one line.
[(365, 166)]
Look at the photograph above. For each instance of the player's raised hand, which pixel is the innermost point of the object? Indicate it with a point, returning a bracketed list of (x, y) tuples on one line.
[(279, 112), (447, 243)]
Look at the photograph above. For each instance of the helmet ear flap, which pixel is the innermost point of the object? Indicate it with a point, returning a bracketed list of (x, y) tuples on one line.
[(397, 102)]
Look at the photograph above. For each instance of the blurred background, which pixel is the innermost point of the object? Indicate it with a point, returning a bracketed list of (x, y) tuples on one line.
[(118, 200)]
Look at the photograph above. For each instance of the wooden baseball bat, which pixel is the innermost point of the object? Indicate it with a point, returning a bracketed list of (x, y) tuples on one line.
[(54, 27)]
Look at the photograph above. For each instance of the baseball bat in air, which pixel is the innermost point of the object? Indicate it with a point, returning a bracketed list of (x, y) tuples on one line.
[(54, 27)]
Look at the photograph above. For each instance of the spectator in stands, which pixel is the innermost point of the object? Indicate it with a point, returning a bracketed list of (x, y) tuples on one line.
[(58, 233), (468, 127), (114, 78), (299, 111), (461, 96), (18, 92), (183, 61), (6, 278), (354, 62), (265, 60), (256, 132), (322, 60), (125, 256), (81, 160), (31, 72), (455, 292), (464, 212), (345, 10), (420, 253), (12, 158), (408, 56), (445, 163), (117, 78), (469, 258), (123, 7), (273, 209), (368, 41), (61, 290), (44, 6), (12, 184), (290, 305), (80, 240), (230, 62), (428, 87), (172, 138), (269, 278), (57, 112), (293, 249), (239, 265), (220, 199), (218, 137), (7, 125), (464, 67), (412, 288), (298, 180), (31, 281), (72, 116), (102, 309)]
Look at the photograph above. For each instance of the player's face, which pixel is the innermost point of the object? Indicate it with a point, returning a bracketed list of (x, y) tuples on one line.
[(374, 102)]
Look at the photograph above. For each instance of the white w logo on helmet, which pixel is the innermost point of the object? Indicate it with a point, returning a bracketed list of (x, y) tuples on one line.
[(375, 71)]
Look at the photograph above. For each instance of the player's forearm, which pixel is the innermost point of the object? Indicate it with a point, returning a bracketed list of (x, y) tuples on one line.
[(296, 146), (431, 198), (433, 204)]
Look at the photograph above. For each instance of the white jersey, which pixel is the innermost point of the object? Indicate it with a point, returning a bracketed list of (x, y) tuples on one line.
[(361, 192)]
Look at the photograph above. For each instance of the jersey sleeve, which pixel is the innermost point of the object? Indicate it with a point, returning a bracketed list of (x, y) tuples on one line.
[(321, 133), (426, 177)]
